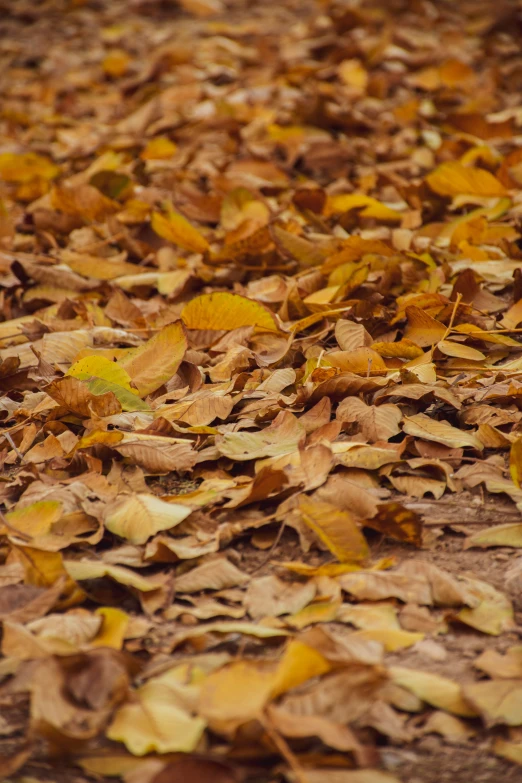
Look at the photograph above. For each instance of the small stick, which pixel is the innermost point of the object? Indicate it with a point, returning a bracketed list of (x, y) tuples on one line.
[(284, 750), (11, 442)]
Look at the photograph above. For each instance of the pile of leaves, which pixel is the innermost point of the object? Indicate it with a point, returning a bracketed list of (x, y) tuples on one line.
[(260, 374)]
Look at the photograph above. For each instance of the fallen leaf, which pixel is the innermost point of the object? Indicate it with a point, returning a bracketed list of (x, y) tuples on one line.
[(157, 718), (152, 364), (497, 701), (452, 179), (437, 691), (138, 517), (422, 426), (225, 311), (335, 528), (177, 229)]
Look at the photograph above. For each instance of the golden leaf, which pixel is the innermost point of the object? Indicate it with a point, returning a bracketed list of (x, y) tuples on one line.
[(177, 229), (454, 179), (369, 207), (155, 362), (398, 522), (225, 311), (26, 166), (84, 201), (335, 528)]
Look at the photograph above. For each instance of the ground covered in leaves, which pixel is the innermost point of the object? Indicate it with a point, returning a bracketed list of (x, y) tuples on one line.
[(261, 383)]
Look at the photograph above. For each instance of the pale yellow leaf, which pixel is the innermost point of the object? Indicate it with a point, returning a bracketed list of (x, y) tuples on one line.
[(138, 517), (434, 689), (155, 362), (499, 535), (281, 437), (422, 426)]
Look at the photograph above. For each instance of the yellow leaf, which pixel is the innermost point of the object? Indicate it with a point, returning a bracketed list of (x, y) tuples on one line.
[(96, 569), (460, 351), (112, 632), (225, 311), (177, 229), (392, 639), (515, 461), (508, 750), (223, 703), (403, 349), (422, 426), (138, 517), (375, 617), (34, 520), (116, 63), (454, 179), (157, 718), (438, 691), (298, 664), (353, 73), (100, 367), (222, 700), (497, 701), (509, 534), (154, 363), (84, 201), (494, 613), (336, 528), (368, 207), (362, 361), (26, 166), (281, 437), (421, 328), (302, 250), (159, 148)]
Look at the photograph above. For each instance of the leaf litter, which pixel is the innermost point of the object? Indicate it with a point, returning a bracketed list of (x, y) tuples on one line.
[(260, 388)]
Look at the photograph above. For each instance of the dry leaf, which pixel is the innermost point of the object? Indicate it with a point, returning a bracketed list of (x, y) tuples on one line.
[(138, 517), (335, 528), (224, 311)]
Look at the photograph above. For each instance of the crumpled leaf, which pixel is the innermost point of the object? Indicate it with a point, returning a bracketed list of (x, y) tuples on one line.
[(160, 716)]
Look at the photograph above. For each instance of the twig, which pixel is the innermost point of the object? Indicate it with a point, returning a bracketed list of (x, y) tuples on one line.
[(272, 548), (284, 750), (11, 442)]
